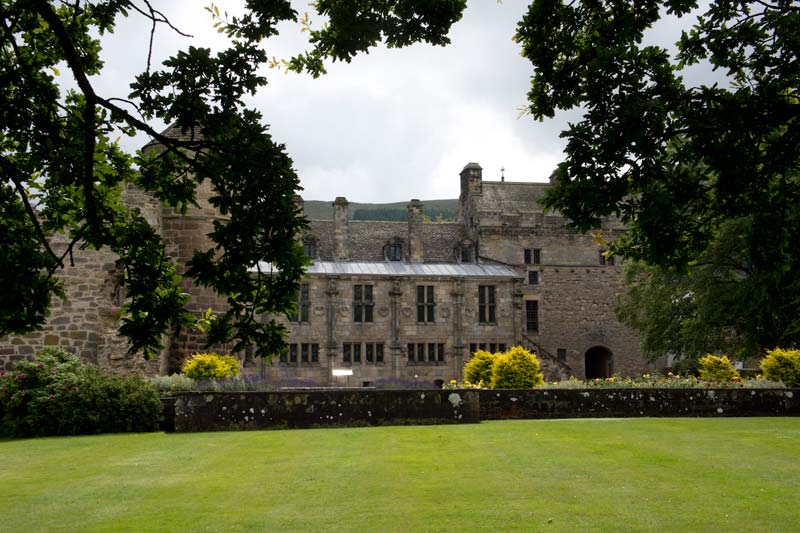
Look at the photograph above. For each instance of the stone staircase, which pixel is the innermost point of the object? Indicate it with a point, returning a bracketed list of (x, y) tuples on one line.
[(553, 368)]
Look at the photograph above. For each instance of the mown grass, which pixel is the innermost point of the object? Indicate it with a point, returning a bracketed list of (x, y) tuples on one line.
[(560, 475)]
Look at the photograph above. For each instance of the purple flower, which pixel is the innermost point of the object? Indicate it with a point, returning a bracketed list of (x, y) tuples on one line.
[(40, 366), (20, 376), (73, 388)]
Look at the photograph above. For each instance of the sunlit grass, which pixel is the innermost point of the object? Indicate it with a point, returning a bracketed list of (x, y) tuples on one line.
[(560, 475)]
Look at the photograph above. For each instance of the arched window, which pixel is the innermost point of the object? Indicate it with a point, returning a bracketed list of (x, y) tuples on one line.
[(465, 252), (393, 250)]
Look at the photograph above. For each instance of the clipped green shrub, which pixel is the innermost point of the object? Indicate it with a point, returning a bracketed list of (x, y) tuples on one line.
[(203, 366), (479, 369), (56, 394), (717, 368), (516, 369), (173, 383), (782, 365)]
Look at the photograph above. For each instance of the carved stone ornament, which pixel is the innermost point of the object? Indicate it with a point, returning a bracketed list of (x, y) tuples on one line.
[(383, 311), (319, 310), (343, 311), (445, 312), (504, 312), (406, 312)]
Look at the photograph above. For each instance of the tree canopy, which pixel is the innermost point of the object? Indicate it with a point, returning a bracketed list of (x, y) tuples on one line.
[(706, 177), (62, 172), (675, 162)]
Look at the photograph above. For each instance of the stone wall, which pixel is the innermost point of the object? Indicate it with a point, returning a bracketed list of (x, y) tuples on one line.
[(196, 411), (85, 322), (575, 294), (395, 326), (308, 409), (624, 403)]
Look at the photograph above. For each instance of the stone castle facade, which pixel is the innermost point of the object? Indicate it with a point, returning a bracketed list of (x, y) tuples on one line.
[(412, 300), (387, 300)]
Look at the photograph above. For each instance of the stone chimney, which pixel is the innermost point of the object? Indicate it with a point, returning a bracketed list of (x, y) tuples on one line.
[(415, 231), (341, 217), (471, 179)]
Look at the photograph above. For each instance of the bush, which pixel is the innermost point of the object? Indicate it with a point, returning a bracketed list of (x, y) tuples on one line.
[(56, 394), (718, 368), (203, 366), (516, 369), (782, 365), (479, 369), (173, 383)]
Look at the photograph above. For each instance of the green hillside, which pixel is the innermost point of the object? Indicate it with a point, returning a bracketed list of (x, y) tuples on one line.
[(323, 210)]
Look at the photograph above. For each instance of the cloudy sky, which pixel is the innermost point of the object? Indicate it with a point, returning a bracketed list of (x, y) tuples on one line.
[(392, 125)]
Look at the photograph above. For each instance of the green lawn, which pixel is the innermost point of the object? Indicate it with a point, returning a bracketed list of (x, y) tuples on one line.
[(718, 475)]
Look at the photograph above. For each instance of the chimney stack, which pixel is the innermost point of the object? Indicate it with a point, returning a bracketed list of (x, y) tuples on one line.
[(415, 231), (341, 217)]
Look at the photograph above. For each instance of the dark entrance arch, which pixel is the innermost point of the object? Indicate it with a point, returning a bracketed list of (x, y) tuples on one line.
[(599, 362)]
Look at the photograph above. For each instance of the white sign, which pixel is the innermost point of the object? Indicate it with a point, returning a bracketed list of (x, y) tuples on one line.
[(342, 372)]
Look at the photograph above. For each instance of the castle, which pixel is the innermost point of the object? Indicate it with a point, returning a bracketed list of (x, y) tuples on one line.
[(412, 300), (398, 300)]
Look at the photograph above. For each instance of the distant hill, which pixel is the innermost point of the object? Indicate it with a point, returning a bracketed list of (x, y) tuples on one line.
[(322, 210)]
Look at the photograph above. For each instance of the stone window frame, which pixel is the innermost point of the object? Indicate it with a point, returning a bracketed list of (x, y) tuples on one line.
[(362, 353), (302, 315), (491, 347), (603, 260), (300, 353), (532, 315), (426, 353), (310, 244), (464, 252), (561, 354), (532, 256), (426, 304), (533, 277), (363, 303), (394, 249), (487, 304)]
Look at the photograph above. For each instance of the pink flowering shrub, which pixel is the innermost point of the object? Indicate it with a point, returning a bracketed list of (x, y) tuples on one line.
[(56, 394)]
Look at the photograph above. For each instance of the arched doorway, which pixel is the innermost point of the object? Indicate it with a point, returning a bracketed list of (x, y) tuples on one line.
[(599, 363)]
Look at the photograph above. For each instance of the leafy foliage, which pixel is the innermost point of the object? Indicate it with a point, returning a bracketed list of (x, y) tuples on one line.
[(204, 366), (656, 151), (516, 369), (479, 368), (678, 163), (354, 26), (782, 365), (56, 394), (717, 368), (722, 303), (61, 173)]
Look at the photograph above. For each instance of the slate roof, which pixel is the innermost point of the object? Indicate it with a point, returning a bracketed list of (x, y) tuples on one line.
[(404, 269), (511, 197)]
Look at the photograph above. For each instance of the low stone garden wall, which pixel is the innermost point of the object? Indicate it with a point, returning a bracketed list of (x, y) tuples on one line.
[(218, 411), (625, 403), (221, 411)]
